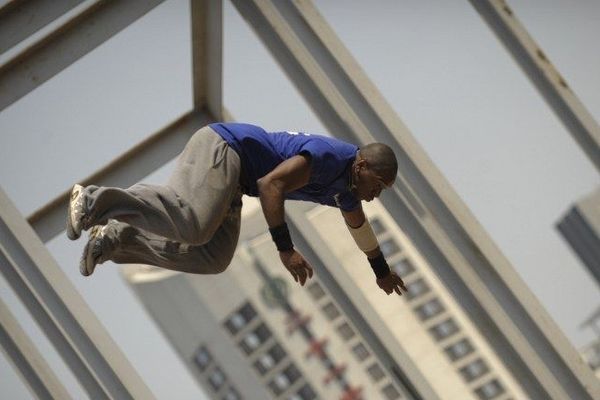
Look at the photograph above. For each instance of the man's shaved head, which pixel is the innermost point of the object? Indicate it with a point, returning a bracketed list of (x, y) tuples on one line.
[(381, 159)]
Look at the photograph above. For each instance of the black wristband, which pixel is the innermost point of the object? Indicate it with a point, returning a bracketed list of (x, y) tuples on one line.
[(380, 266), (281, 237)]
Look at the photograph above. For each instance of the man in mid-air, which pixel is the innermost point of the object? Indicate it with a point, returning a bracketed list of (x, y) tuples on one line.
[(192, 223)]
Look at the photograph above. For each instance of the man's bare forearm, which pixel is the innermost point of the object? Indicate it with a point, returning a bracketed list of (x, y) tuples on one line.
[(271, 200), (290, 175)]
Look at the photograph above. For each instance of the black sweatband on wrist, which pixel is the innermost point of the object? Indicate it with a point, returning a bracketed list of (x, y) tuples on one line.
[(281, 237), (380, 266)]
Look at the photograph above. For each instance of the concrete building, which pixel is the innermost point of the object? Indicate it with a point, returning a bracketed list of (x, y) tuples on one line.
[(254, 333), (581, 229)]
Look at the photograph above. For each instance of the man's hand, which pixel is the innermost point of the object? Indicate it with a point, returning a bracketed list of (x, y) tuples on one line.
[(297, 265), (391, 283)]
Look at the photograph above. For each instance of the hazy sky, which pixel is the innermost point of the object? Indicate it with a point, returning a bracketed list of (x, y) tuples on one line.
[(438, 65)]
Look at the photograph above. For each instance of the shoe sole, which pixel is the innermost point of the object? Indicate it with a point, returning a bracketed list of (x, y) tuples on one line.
[(71, 232), (83, 263), (87, 258)]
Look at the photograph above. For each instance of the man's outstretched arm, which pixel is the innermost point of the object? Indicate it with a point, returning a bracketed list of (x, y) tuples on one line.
[(365, 239), (288, 176)]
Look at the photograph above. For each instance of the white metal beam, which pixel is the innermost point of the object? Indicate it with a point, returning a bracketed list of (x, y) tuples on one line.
[(484, 283), (61, 312), (125, 170), (207, 55), (545, 77), (96, 22), (27, 360), (19, 19)]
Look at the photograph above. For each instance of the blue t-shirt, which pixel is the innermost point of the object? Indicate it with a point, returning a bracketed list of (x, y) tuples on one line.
[(260, 152)]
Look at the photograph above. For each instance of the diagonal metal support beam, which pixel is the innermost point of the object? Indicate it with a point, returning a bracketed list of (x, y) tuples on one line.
[(61, 312), (440, 225), (19, 19), (86, 30), (207, 55), (545, 77), (125, 170), (27, 360)]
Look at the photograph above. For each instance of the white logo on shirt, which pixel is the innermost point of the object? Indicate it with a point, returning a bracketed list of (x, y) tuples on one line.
[(298, 133)]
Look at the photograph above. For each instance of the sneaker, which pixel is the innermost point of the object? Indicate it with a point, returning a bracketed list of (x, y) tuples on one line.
[(75, 213), (92, 250)]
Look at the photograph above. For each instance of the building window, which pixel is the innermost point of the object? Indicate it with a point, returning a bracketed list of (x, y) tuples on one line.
[(390, 392), (490, 390), (416, 289), (240, 318), (377, 226), (232, 394), (429, 309), (360, 352), (250, 342), (236, 322), (459, 349), (306, 392), (264, 363), (292, 373), (403, 267), (263, 332), (248, 312), (331, 311), (315, 290), (278, 385), (389, 247), (284, 379), (202, 358), (270, 359), (277, 352), (376, 372), (345, 331), (216, 379), (255, 338), (474, 370), (444, 329)]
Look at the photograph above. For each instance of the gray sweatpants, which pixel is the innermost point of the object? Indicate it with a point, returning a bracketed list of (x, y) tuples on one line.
[(191, 224)]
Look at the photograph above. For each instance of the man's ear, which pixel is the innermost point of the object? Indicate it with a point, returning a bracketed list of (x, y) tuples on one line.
[(361, 163)]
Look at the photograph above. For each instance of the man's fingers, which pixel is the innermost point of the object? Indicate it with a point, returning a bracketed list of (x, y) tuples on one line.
[(302, 275), (307, 272), (400, 282), (403, 286), (387, 289), (307, 268), (391, 284)]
